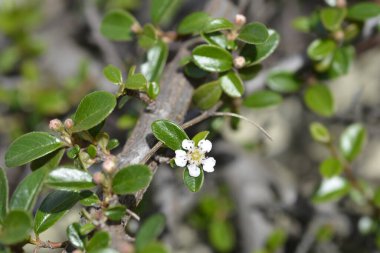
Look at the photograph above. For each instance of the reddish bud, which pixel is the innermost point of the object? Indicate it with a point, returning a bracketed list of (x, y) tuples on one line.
[(55, 124), (240, 19), (109, 166), (239, 62), (98, 178), (69, 123)]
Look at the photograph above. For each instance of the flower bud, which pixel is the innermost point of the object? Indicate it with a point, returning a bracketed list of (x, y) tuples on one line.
[(98, 178), (240, 19), (69, 123), (55, 124), (109, 166), (239, 62), (136, 28)]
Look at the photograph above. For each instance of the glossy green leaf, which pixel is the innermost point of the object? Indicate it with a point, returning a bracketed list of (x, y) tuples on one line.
[(331, 189), (207, 95), (248, 73), (74, 235), (112, 144), (254, 33), (150, 230), (320, 49), (115, 213), (222, 236), (319, 99), (341, 61), (330, 167), (148, 37), (154, 247), (113, 74), (363, 11), (263, 98), (215, 38), (352, 141), (332, 18), (218, 24), (194, 184), (319, 132), (136, 82), (153, 90), (169, 133), (3, 194), (69, 179), (28, 190), (200, 136), (31, 146), (193, 23), (131, 179), (89, 198), (87, 228), (255, 54), (212, 58), (161, 9), (231, 84), (53, 207), (93, 109), (116, 25), (16, 227), (100, 240), (284, 82), (155, 62), (193, 71)]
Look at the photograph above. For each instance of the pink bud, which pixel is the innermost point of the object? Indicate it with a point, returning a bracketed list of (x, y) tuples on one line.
[(240, 19), (98, 178), (239, 62), (55, 124), (69, 123), (109, 166)]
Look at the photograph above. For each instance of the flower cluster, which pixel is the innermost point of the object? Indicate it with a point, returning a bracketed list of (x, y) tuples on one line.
[(193, 157)]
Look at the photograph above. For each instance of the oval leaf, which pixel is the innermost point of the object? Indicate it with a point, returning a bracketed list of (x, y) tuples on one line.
[(218, 24), (263, 98), (155, 62), (207, 95), (193, 23), (330, 167), (332, 18), (232, 85), (200, 136), (16, 227), (222, 235), (161, 9), (363, 11), (319, 132), (131, 179), (150, 230), (283, 82), (31, 146), (320, 49), (3, 194), (154, 247), (320, 100), (194, 184), (254, 33), (212, 58), (93, 109), (331, 189), (115, 213), (215, 38), (352, 141), (116, 25), (169, 133), (100, 240), (113, 74), (74, 235), (71, 179), (136, 82)]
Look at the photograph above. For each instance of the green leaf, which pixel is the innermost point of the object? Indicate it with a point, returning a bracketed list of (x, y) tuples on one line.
[(352, 141), (101, 239), (200, 136), (27, 191), (215, 38), (113, 74), (254, 33), (218, 24), (212, 58), (331, 189), (222, 236), (131, 179), (69, 179), (115, 213), (207, 95), (74, 236), (276, 240), (89, 198), (284, 82), (148, 37), (363, 11), (191, 70), (107, 250), (263, 98), (319, 132), (169, 133), (255, 54), (154, 247), (93, 109), (116, 25), (16, 227), (332, 18), (194, 184), (193, 23), (330, 167), (155, 63), (87, 228), (53, 207), (302, 24), (231, 84), (341, 61), (31, 146), (248, 73), (160, 9), (136, 82), (150, 230), (3, 194), (320, 49), (112, 144), (153, 90), (319, 99)]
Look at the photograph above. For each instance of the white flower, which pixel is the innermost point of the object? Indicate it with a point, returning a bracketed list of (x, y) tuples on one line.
[(194, 157)]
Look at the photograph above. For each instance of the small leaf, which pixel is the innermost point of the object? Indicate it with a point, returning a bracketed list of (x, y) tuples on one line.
[(69, 179), (218, 24), (276, 240), (31, 146), (169, 133), (319, 99), (16, 227), (115, 213), (319, 132), (194, 184), (212, 58), (153, 90), (248, 73), (89, 198), (263, 98), (222, 236), (136, 82), (116, 25), (54, 207), (191, 70), (352, 141), (200, 136), (74, 236), (232, 85), (131, 179), (330, 167), (93, 109), (320, 49), (284, 82), (302, 24), (150, 230), (160, 9), (155, 62), (215, 38), (3, 194), (331, 189), (87, 228), (254, 33), (113, 74), (154, 247), (207, 95), (100, 240), (148, 37), (332, 18), (193, 23), (341, 61), (107, 250), (363, 11)]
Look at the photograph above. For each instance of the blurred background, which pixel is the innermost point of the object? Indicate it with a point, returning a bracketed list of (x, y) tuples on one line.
[(52, 54)]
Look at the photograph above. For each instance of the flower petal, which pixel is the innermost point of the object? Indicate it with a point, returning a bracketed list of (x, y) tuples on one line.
[(188, 144), (180, 158), (180, 153), (194, 170), (208, 164), (205, 146)]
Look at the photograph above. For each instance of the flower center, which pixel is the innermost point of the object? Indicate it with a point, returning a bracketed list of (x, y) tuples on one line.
[(196, 156)]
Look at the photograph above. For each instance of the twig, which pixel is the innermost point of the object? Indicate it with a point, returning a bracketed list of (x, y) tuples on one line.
[(133, 215)]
